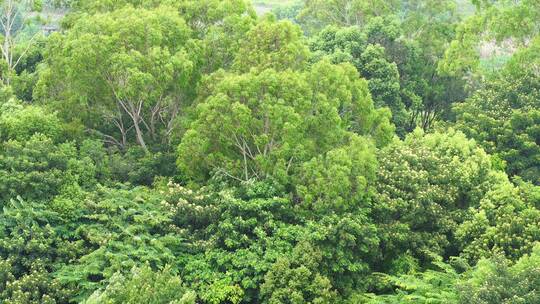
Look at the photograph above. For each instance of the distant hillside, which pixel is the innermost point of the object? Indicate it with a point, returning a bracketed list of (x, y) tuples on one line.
[(265, 6), (465, 7)]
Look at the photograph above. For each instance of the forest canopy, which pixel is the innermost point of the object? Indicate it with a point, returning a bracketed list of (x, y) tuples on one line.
[(296, 151)]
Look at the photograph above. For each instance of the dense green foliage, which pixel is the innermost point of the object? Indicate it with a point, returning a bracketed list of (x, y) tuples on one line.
[(504, 116), (343, 151)]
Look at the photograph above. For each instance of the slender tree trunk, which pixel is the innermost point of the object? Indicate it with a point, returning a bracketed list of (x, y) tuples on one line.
[(135, 114), (10, 10), (7, 27), (137, 119), (139, 134)]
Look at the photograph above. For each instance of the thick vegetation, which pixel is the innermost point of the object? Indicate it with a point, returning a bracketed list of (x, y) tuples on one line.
[(344, 151)]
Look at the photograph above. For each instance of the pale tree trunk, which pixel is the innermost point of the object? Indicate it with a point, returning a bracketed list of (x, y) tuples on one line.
[(140, 138), (7, 20), (135, 113), (10, 12), (117, 119), (169, 122)]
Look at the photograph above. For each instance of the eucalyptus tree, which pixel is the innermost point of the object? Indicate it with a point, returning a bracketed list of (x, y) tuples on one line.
[(15, 18), (266, 121), (124, 73), (265, 124)]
